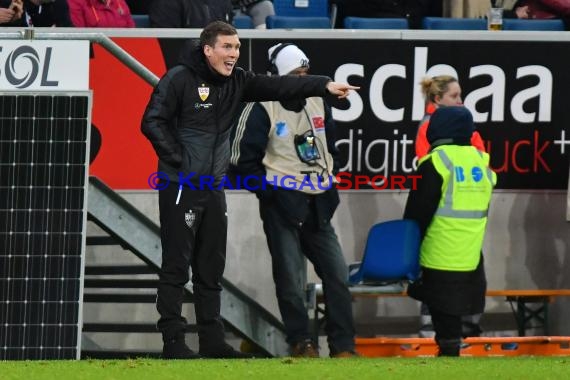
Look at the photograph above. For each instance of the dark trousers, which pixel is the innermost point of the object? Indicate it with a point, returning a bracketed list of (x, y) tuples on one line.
[(288, 244), (193, 234), (447, 332)]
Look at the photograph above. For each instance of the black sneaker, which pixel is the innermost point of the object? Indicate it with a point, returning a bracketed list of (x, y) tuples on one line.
[(177, 349), (224, 352)]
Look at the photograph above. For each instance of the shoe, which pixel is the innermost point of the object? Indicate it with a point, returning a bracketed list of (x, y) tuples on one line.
[(346, 354), (177, 349), (224, 352), (305, 349)]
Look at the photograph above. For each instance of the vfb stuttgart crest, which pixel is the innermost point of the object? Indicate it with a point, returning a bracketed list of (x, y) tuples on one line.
[(190, 218), (204, 92)]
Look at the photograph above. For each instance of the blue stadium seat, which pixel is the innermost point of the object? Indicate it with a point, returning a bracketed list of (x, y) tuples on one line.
[(141, 21), (391, 254), (444, 23), (375, 23), (242, 22), (314, 8), (521, 24), (282, 22)]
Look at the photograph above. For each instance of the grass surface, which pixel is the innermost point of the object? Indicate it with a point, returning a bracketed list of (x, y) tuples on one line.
[(518, 368)]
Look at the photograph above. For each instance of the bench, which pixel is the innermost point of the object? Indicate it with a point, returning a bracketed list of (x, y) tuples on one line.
[(473, 346), (520, 301)]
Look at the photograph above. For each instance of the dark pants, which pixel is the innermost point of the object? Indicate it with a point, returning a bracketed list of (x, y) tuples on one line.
[(193, 234), (288, 244), (447, 332), (469, 324)]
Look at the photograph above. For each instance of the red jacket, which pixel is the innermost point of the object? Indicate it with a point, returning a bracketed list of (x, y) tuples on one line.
[(544, 9), (422, 144), (100, 14)]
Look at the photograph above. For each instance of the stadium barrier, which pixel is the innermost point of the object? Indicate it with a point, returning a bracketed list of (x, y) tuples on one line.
[(483, 346)]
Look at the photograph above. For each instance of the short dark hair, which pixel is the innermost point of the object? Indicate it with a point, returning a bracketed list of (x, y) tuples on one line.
[(214, 29)]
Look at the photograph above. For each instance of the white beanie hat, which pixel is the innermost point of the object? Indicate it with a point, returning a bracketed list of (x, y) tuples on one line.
[(288, 58)]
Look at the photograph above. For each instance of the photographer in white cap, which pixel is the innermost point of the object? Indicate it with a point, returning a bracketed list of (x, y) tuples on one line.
[(291, 144)]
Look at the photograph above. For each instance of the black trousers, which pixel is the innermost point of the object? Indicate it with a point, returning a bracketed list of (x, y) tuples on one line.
[(447, 332), (193, 234)]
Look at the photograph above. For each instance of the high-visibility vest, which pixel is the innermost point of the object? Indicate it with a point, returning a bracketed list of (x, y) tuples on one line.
[(454, 238)]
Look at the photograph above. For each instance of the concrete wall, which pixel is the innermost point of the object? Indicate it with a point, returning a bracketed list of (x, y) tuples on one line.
[(527, 246)]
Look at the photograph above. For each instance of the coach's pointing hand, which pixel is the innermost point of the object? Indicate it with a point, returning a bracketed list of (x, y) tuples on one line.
[(340, 89)]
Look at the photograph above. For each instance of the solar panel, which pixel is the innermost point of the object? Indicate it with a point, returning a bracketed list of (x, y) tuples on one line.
[(44, 144)]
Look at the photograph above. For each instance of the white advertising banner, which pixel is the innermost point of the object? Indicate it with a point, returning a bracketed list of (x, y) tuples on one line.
[(44, 65)]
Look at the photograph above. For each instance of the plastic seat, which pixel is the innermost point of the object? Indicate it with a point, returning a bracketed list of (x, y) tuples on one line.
[(314, 9), (242, 22), (141, 21), (283, 22), (444, 23), (375, 23), (520, 24), (391, 254)]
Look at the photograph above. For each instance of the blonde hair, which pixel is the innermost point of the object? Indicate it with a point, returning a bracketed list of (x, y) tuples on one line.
[(436, 86)]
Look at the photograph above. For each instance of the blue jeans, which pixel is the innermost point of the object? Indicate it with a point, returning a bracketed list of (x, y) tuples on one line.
[(288, 244)]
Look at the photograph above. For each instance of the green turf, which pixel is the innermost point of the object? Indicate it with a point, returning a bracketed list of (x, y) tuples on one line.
[(518, 368)]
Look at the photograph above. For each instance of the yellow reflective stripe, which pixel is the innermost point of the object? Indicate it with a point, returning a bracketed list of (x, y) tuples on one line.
[(462, 214), (448, 197)]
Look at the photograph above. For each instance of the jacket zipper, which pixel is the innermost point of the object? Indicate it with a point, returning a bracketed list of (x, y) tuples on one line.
[(218, 96)]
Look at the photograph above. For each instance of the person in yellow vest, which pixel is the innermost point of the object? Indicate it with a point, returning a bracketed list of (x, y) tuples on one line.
[(289, 147), (450, 204)]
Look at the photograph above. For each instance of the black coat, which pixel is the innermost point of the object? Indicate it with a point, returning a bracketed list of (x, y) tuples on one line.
[(49, 14), (413, 10), (456, 293), (191, 134), (188, 13)]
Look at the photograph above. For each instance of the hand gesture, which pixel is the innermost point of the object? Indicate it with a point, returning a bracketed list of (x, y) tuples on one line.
[(18, 7), (6, 15), (340, 89), (523, 12)]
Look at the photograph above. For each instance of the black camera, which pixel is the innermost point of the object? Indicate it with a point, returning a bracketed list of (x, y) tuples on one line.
[(306, 148)]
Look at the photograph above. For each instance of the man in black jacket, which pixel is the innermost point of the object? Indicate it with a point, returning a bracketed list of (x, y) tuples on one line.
[(292, 143), (188, 121)]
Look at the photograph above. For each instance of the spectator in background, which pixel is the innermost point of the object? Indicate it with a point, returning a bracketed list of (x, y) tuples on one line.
[(465, 8), (45, 13), (258, 10), (100, 14), (442, 90), (295, 139), (188, 13), (139, 7), (11, 12), (413, 10), (535, 9), (450, 204)]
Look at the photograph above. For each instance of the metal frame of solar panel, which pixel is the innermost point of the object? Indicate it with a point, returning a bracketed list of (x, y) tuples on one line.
[(44, 156)]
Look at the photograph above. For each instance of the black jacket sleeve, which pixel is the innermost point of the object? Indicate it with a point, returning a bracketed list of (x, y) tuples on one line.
[(166, 14), (248, 142), (260, 88), (423, 201), (188, 13), (159, 120)]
